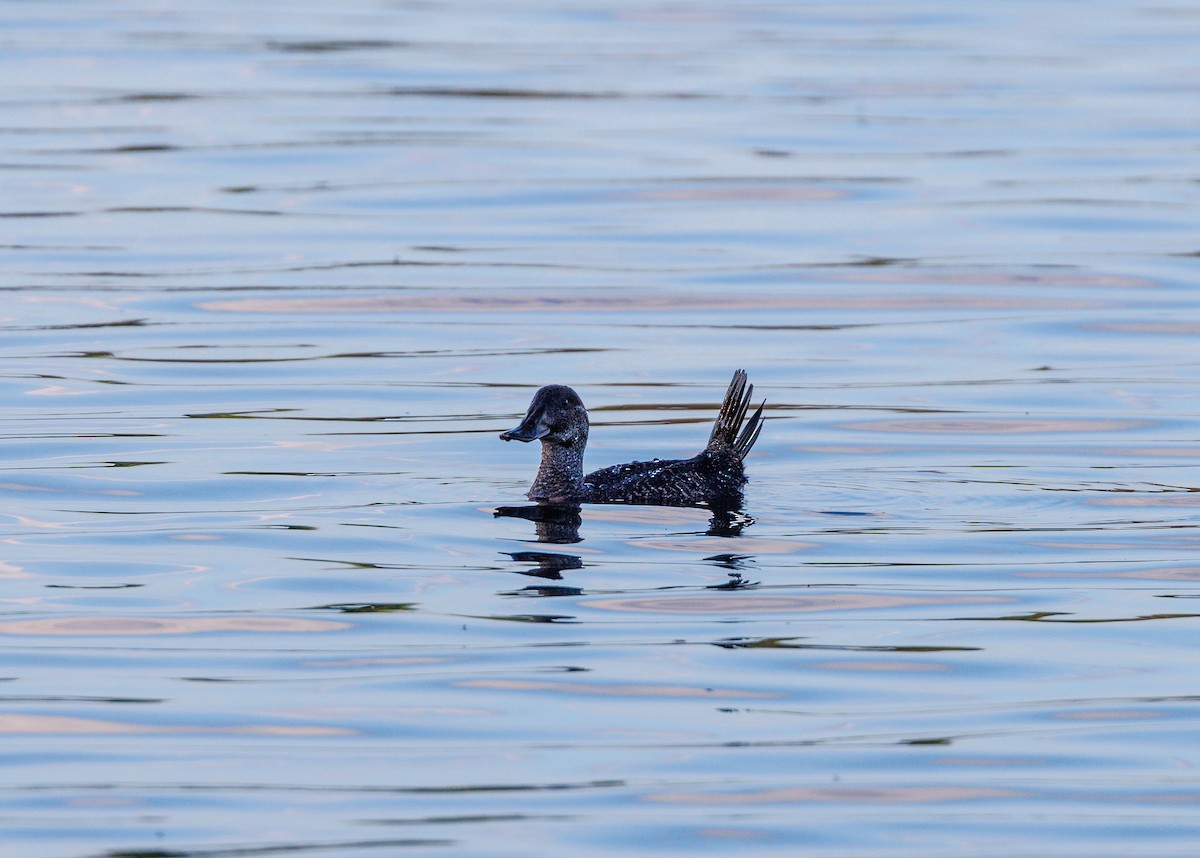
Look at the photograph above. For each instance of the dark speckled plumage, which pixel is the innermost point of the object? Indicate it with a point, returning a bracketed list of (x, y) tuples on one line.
[(713, 477)]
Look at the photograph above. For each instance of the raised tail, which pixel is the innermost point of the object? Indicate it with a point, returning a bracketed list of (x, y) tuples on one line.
[(725, 433)]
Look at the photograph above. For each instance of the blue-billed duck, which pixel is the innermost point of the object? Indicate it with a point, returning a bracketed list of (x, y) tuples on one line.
[(713, 477)]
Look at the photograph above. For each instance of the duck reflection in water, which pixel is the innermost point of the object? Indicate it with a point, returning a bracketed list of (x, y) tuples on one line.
[(558, 524)]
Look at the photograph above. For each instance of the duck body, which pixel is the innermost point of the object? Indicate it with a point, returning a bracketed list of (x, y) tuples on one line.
[(713, 477)]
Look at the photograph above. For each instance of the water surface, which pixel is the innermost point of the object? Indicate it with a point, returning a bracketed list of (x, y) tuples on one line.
[(277, 275)]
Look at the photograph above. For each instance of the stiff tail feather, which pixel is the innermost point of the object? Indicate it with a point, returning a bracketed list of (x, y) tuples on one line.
[(725, 433)]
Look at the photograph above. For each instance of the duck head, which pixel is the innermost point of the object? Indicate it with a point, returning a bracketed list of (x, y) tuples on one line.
[(556, 416)]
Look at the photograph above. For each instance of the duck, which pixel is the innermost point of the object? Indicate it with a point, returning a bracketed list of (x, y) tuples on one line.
[(714, 477)]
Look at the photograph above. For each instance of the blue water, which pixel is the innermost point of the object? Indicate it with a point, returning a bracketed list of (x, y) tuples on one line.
[(276, 276)]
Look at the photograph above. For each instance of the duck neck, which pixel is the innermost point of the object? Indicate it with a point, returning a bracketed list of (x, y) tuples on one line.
[(560, 476)]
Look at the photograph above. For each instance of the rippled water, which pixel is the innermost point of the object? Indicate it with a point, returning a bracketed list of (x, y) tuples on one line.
[(277, 274)]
